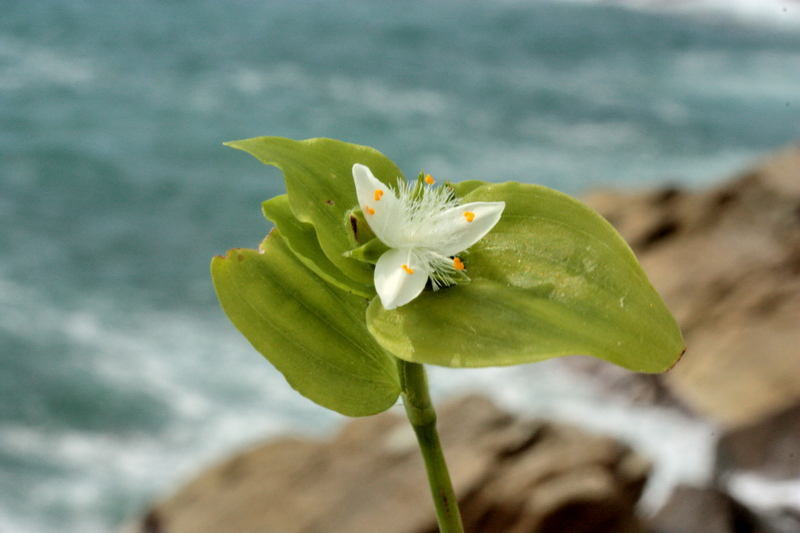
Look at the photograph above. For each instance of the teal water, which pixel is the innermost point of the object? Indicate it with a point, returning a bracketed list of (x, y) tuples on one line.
[(118, 374)]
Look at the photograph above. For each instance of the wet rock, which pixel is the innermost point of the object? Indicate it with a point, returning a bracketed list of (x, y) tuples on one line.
[(769, 447), (783, 520), (511, 475), (704, 510)]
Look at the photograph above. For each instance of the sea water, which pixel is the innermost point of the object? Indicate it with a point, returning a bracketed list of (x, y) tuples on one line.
[(119, 375)]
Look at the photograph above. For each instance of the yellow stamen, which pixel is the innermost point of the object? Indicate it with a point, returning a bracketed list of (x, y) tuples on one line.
[(378, 194), (369, 210), (457, 264), (469, 215), (429, 180), (408, 269)]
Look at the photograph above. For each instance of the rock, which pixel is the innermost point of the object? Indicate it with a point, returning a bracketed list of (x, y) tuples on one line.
[(727, 262), (769, 447), (704, 510), (511, 475), (783, 520)]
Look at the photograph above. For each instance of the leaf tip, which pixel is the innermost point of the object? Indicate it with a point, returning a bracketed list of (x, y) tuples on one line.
[(676, 360), (235, 144)]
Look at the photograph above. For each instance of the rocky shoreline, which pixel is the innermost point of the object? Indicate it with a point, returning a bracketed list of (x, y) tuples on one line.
[(726, 260)]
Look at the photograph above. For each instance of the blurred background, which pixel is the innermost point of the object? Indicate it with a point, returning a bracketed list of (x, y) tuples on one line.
[(119, 374)]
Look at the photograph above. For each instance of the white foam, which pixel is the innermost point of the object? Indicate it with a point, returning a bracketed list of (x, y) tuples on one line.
[(681, 448), (763, 493), (25, 65), (765, 11), (217, 393), (12, 522)]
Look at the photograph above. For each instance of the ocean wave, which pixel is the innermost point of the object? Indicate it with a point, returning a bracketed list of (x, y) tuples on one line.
[(126, 404)]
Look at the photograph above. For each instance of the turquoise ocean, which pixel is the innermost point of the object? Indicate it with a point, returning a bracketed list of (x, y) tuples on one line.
[(119, 375)]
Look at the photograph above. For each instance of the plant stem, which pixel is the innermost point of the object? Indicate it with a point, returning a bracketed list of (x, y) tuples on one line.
[(419, 409)]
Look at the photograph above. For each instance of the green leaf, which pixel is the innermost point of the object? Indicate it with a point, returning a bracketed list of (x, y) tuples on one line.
[(319, 183), (312, 332), (462, 188), (302, 240), (553, 278)]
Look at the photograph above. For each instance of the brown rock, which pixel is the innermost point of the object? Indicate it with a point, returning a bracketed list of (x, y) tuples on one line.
[(727, 262), (769, 447), (704, 510), (511, 475)]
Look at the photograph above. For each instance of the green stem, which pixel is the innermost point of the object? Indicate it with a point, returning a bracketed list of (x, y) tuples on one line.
[(419, 409)]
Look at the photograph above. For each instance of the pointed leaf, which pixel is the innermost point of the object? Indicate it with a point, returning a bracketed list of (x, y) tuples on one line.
[(312, 332), (552, 278), (319, 183)]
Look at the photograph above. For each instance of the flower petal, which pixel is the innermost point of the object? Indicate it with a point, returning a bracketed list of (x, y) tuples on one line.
[(467, 224), (400, 277), (381, 207)]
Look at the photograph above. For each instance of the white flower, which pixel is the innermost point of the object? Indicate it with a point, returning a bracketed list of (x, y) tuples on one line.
[(424, 230)]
